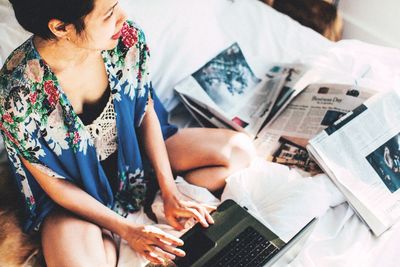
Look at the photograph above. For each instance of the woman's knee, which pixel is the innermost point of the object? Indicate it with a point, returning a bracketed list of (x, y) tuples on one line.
[(232, 149), (62, 221), (63, 233), (193, 148), (237, 151), (243, 150)]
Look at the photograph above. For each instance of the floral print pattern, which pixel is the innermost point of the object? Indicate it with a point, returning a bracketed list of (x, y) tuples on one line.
[(38, 123), (34, 71)]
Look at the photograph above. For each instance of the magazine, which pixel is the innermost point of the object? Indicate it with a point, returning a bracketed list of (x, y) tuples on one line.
[(318, 106), (226, 93), (361, 154)]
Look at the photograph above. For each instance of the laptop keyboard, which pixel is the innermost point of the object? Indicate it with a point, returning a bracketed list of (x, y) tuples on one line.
[(249, 248)]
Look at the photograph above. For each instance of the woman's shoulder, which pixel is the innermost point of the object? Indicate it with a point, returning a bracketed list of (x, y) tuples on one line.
[(131, 44), (19, 69), (132, 35)]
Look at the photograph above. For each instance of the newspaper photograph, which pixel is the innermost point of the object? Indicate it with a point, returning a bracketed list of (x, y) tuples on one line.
[(361, 153), (317, 107), (294, 155), (386, 162)]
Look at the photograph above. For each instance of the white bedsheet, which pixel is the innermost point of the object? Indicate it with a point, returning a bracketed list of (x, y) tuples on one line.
[(273, 193), (184, 34), (285, 201)]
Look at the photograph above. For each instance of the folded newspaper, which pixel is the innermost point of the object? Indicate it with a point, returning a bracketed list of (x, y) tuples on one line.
[(225, 93), (361, 154), (318, 106)]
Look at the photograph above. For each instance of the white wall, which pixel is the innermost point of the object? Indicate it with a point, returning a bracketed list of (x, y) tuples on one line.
[(373, 21)]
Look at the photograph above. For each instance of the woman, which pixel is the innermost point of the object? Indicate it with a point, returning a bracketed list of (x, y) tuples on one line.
[(82, 133)]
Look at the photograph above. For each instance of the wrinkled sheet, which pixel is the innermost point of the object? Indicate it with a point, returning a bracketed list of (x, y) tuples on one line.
[(273, 193), (285, 201)]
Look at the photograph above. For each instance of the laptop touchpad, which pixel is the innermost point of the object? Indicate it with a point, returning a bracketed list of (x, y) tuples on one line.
[(195, 246)]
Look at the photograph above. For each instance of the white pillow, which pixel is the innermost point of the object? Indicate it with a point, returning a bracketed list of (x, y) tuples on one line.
[(185, 34), (11, 32)]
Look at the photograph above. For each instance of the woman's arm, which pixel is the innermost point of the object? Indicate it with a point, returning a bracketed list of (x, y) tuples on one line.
[(72, 198), (174, 208), (143, 239)]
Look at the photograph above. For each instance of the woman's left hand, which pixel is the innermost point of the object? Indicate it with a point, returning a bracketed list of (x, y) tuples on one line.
[(177, 212)]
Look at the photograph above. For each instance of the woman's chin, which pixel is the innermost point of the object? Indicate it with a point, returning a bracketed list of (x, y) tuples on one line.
[(113, 43)]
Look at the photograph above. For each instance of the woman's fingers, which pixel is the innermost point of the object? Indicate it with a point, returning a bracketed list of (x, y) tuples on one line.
[(150, 256), (209, 218), (161, 253), (165, 237), (174, 222), (166, 241), (192, 212), (154, 244), (160, 245), (169, 249), (203, 210)]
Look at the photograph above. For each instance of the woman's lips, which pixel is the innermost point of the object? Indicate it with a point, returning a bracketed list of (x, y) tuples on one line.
[(116, 36)]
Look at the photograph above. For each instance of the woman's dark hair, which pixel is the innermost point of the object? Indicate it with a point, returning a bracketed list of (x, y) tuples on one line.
[(34, 15)]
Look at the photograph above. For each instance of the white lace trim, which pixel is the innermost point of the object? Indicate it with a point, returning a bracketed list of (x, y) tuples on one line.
[(103, 131)]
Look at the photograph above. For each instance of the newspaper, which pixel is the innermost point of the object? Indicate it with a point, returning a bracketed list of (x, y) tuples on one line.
[(297, 78), (361, 153), (245, 115), (226, 93), (318, 106)]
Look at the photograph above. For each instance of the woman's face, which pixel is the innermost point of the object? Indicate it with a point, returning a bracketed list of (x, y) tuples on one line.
[(102, 26)]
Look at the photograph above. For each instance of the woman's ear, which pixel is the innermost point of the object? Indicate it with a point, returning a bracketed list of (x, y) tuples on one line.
[(60, 29)]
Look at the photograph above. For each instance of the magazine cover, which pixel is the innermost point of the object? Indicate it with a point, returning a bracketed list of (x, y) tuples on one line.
[(227, 78)]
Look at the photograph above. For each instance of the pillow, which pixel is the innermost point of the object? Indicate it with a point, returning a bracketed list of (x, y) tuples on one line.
[(11, 32), (185, 34)]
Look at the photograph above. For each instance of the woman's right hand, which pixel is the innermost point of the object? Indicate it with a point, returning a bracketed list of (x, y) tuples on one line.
[(153, 243)]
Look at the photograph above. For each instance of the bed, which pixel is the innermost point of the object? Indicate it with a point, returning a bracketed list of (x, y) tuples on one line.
[(185, 34)]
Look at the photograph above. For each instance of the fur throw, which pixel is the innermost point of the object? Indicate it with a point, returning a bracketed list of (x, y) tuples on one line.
[(16, 247)]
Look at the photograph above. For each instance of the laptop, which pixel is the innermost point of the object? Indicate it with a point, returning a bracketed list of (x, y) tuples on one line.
[(238, 239)]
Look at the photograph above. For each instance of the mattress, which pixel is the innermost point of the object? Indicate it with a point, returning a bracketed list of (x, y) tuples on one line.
[(184, 34)]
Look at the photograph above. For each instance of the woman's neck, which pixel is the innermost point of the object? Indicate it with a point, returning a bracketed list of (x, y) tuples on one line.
[(61, 55)]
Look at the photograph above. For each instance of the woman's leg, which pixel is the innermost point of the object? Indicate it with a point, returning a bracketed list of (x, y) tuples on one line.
[(206, 157), (70, 241)]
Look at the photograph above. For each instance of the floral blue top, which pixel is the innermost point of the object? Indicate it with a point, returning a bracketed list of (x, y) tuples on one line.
[(38, 123)]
